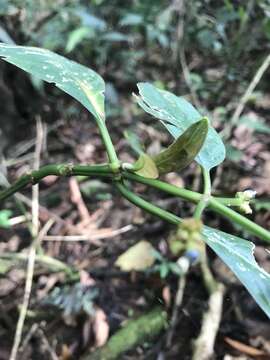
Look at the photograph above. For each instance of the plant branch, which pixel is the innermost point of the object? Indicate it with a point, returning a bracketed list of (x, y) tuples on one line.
[(206, 194), (145, 205), (59, 170), (105, 170), (107, 141), (213, 204), (239, 219)]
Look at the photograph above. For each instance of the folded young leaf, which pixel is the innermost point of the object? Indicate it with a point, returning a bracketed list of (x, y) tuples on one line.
[(238, 254), (177, 115), (84, 84), (146, 167), (182, 151)]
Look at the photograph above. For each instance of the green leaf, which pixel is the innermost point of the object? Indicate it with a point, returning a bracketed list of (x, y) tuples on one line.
[(138, 257), (177, 115), (237, 253), (164, 270), (77, 36), (146, 167), (82, 83), (182, 151), (4, 218)]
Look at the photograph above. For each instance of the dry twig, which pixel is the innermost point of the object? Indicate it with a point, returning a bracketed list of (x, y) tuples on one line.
[(32, 252)]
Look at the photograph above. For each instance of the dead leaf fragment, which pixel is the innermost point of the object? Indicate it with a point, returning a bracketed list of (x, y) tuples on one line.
[(138, 257), (100, 327)]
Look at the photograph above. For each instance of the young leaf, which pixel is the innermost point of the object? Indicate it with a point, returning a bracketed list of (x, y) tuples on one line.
[(237, 253), (138, 257), (82, 83), (182, 151), (4, 218), (177, 115), (146, 167)]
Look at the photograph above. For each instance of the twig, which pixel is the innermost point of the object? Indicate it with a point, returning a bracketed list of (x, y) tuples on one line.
[(52, 264), (47, 345), (180, 56), (77, 199), (242, 103), (177, 302), (187, 77), (32, 252), (98, 235), (204, 344)]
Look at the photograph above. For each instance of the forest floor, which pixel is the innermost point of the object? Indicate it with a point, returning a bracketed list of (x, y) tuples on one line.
[(90, 225)]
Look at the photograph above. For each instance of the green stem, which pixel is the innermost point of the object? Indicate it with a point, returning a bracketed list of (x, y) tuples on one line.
[(58, 170), (231, 202), (115, 164), (168, 188), (206, 194), (213, 204), (145, 205), (245, 223), (105, 170)]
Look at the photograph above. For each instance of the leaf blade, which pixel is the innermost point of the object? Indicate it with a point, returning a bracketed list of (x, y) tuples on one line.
[(238, 255), (183, 150), (177, 114), (67, 75), (147, 167)]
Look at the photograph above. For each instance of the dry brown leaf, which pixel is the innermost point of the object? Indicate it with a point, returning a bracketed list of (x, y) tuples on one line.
[(138, 257), (100, 327)]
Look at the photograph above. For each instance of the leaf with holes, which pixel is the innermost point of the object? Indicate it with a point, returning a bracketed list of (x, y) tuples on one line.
[(177, 115), (183, 150), (84, 84), (237, 253)]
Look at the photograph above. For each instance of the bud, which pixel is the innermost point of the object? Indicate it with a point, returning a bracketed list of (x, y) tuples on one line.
[(245, 197)]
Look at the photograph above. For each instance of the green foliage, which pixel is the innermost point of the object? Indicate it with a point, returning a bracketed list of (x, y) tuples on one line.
[(238, 255), (183, 150), (177, 115), (73, 299), (165, 267), (76, 80), (146, 167), (4, 218)]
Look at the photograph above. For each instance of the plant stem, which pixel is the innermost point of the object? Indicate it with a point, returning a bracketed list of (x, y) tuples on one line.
[(168, 188), (245, 223), (145, 205), (213, 204), (105, 170), (107, 141), (234, 201), (58, 170), (206, 194)]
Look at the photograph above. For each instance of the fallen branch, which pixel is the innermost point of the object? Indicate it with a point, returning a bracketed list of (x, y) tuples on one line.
[(134, 333), (204, 344)]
